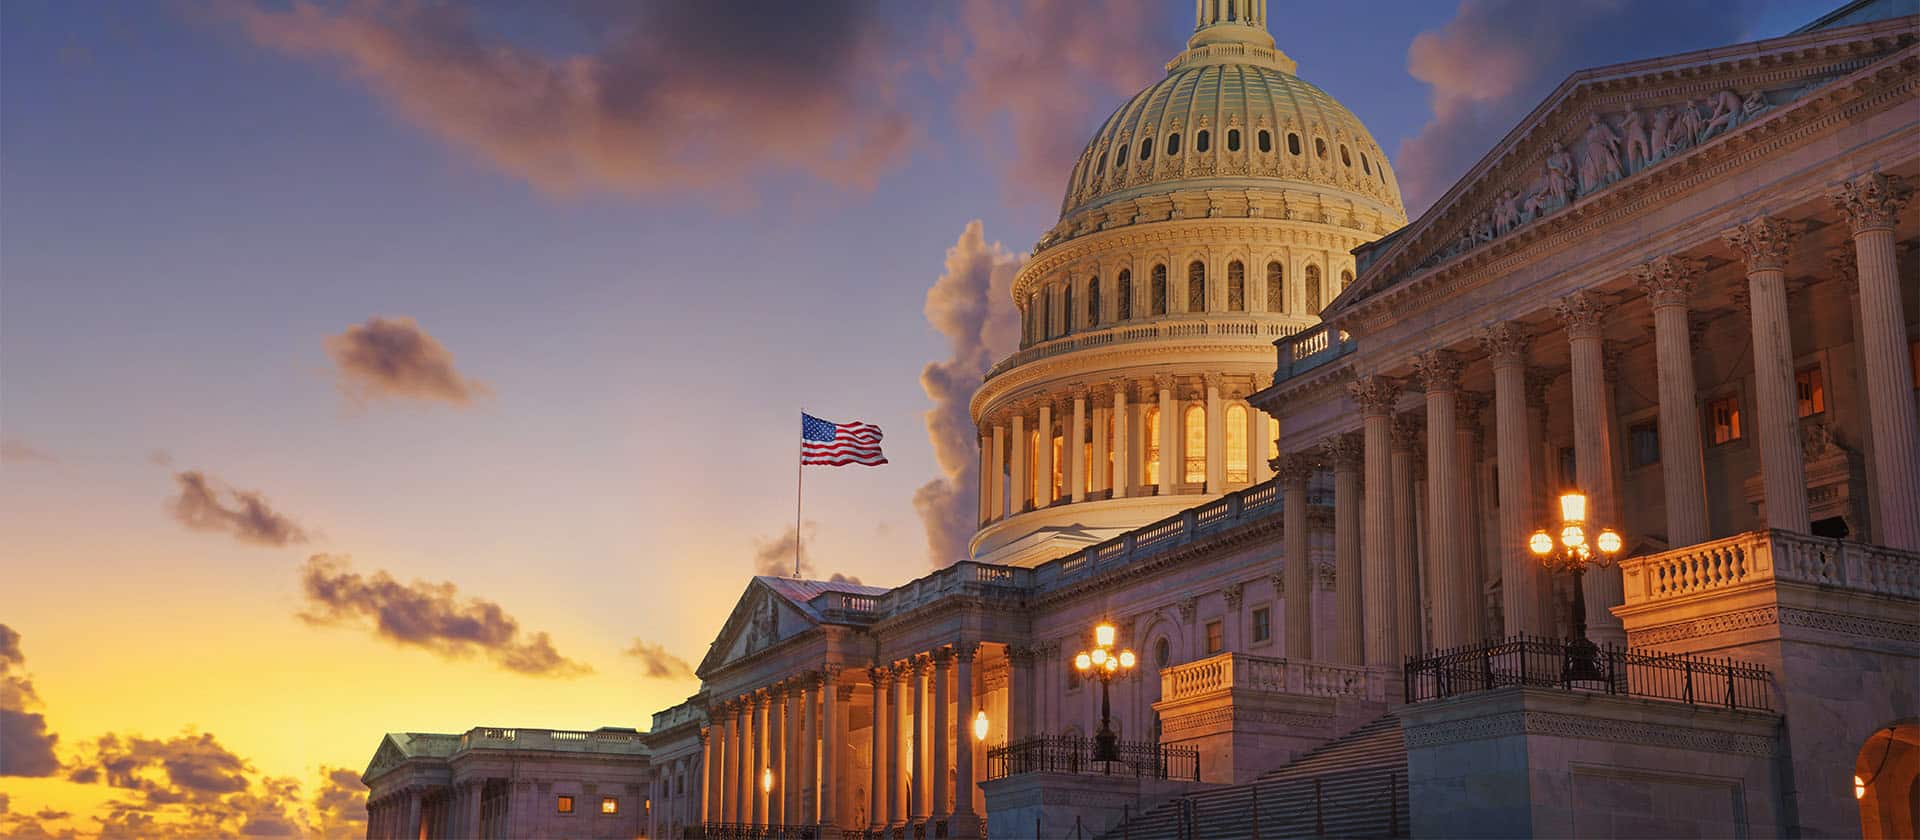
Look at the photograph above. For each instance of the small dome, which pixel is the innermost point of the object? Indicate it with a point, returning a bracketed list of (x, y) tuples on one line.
[(1230, 113)]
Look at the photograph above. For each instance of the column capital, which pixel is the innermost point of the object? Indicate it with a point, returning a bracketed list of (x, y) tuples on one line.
[(1295, 468), (1872, 201), (1505, 343), (1188, 607), (1764, 242), (1163, 381), (1582, 313), (1344, 451), (1408, 433), (1234, 592), (1667, 281), (1099, 392), (941, 656), (1212, 380), (1375, 394), (1262, 381), (1020, 655), (1118, 384), (879, 676), (1438, 370), (965, 650), (1077, 390)]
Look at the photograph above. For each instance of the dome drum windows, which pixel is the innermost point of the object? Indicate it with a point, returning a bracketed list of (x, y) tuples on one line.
[(1236, 287), (1201, 141), (1173, 144), (1146, 148), (1093, 302), (1157, 292), (1196, 287), (1066, 309), (1195, 419), (1124, 295), (1319, 148), (1266, 142), (1346, 159), (1366, 166), (1276, 287), (1293, 144), (1313, 289), (1233, 139)]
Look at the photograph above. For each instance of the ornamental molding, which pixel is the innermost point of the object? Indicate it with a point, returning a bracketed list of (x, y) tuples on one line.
[(1533, 723), (1765, 243), (1375, 395), (1871, 202), (1191, 238), (1343, 451), (996, 393), (1582, 313), (1668, 281), (1438, 371), (1505, 343)]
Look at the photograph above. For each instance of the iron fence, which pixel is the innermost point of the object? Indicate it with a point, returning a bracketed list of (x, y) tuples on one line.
[(1075, 754), (749, 831), (1541, 662)]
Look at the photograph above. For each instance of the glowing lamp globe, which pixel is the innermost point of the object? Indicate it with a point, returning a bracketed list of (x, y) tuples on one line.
[(1083, 662), (1540, 543), (1103, 635), (1099, 657), (980, 726), (1608, 542), (1126, 659), (1573, 507), (1573, 536), (766, 780), (1112, 665)]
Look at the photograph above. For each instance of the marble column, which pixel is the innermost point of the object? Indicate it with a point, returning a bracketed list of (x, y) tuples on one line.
[(1102, 420), (1765, 243), (410, 822), (986, 483), (1444, 570), (1406, 536), (1583, 313), (1216, 436), (1072, 450), (1121, 475), (1667, 282), (942, 741), (879, 799), (832, 735), (1020, 711), (1295, 471), (1344, 451), (758, 812), (963, 756), (1506, 345), (1043, 457), (897, 786), (710, 743), (778, 703), (1376, 396), (1871, 204), (1468, 436), (1022, 489), (1259, 468), (1547, 455), (996, 477), (1170, 464), (737, 802), (808, 787)]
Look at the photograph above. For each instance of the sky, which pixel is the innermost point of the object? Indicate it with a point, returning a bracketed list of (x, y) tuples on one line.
[(374, 366)]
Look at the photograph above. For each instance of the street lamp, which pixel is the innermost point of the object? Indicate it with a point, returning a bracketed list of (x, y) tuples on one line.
[(980, 726), (1103, 664), (1572, 552)]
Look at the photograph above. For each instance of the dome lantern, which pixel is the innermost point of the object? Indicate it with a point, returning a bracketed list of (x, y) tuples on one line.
[(1230, 22)]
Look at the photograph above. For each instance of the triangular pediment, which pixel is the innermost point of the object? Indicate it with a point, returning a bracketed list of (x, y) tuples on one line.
[(762, 618), (387, 757), (1606, 128)]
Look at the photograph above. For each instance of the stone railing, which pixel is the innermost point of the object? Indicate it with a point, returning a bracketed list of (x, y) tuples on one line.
[(1259, 673), (1765, 555), (1310, 348), (1230, 511), (1166, 327), (599, 740), (962, 578)]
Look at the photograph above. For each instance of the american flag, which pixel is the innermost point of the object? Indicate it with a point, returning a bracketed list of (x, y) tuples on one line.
[(831, 444)]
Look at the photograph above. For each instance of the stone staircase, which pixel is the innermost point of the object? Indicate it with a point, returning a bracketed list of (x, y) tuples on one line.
[(1353, 786)]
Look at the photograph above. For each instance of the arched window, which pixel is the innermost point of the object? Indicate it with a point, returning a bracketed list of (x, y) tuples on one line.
[(1066, 309), (1058, 484), (1196, 435), (1093, 302), (1313, 289), (1150, 429), (1157, 305), (1293, 144), (1320, 148), (1102, 166), (1236, 287), (1162, 653), (1366, 166), (1046, 313), (1125, 292), (1346, 278), (1146, 148), (1233, 139), (1238, 468), (1266, 141), (1033, 317), (1273, 438), (1196, 287), (1276, 287), (1120, 160), (1173, 143), (1345, 158), (1201, 140), (1033, 460)]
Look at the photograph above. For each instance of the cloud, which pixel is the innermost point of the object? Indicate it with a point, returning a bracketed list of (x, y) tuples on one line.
[(26, 747), (427, 615), (1496, 59), (339, 805), (775, 557), (1042, 74), (972, 305), (657, 662), (249, 519), (392, 358), (191, 785), (14, 451), (669, 98)]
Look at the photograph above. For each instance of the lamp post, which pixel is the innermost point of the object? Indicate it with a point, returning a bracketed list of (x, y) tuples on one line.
[(1573, 552), (1103, 664)]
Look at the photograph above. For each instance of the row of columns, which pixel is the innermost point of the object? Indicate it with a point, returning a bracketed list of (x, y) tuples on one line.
[(1007, 480), (914, 727), (762, 758), (677, 791), (433, 811)]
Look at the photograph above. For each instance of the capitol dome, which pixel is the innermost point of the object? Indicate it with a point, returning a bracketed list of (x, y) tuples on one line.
[(1212, 213)]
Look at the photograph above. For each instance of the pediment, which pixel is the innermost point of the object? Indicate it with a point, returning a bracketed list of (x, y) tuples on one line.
[(1606, 127), (387, 757), (761, 619)]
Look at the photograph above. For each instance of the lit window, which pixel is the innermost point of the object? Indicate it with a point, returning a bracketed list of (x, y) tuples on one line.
[(1273, 438), (1810, 388), (1233, 139), (1196, 421), (1196, 287), (1033, 464), (1266, 141), (1200, 141), (1313, 289), (1276, 287), (1059, 468), (563, 804), (1093, 302), (1236, 287), (1086, 472), (1162, 652), (1173, 143), (1262, 624), (1125, 294), (1237, 467), (1216, 638), (609, 805), (1150, 467), (1293, 144), (1723, 416), (1643, 444), (1159, 290)]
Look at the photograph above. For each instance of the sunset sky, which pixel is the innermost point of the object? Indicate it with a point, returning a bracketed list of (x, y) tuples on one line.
[(371, 367)]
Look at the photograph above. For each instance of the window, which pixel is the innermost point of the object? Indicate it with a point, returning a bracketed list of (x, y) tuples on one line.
[(1236, 287), (1086, 473), (1723, 418), (1273, 438), (1046, 313), (1196, 287), (1216, 638), (1066, 309), (1346, 278), (1120, 159), (1033, 467), (1808, 386), (563, 804), (1643, 444), (1093, 302), (1150, 427), (1233, 139), (1237, 467), (1262, 624), (1173, 143), (1162, 653), (1276, 287), (609, 805), (1320, 148), (1058, 487), (1026, 318), (1200, 141), (1102, 166), (1266, 141), (1293, 144), (1366, 166), (1146, 148), (1346, 159), (1313, 289), (1158, 291), (1196, 460), (1125, 293)]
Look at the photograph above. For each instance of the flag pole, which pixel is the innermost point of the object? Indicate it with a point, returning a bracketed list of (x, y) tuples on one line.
[(799, 484)]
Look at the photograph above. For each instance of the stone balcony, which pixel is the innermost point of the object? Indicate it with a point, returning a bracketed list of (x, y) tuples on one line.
[(1229, 671), (1269, 708)]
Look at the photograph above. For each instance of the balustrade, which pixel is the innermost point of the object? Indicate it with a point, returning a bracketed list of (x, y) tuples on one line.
[(1168, 328), (1259, 673), (1770, 555)]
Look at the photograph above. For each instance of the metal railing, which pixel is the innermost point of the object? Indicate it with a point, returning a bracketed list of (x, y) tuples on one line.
[(749, 831), (1540, 662), (1074, 754)]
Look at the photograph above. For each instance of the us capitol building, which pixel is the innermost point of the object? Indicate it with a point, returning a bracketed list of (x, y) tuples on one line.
[(1289, 449)]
